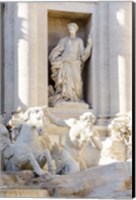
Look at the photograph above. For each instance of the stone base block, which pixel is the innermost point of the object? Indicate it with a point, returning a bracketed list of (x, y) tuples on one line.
[(16, 193), (67, 110), (20, 184)]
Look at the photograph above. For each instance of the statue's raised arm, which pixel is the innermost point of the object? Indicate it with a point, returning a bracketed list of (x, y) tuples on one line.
[(87, 51)]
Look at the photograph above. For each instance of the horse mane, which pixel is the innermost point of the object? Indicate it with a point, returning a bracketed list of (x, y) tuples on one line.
[(4, 138)]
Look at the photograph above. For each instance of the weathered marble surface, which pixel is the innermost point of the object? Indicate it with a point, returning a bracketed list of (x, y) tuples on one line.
[(20, 184), (110, 181)]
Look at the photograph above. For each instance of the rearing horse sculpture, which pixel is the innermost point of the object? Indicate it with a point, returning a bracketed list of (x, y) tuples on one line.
[(27, 151)]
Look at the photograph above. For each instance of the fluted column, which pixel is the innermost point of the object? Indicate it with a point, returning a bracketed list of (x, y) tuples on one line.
[(21, 54), (95, 52), (42, 54), (120, 33), (104, 60), (33, 55), (8, 57), (0, 61), (26, 54), (101, 63)]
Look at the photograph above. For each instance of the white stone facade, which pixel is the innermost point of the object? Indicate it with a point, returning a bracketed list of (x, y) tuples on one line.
[(30, 31)]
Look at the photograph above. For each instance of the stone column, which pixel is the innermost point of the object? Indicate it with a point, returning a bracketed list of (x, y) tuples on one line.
[(0, 59), (21, 54), (26, 54), (42, 54), (95, 65), (0, 78), (33, 54), (101, 63), (120, 33), (8, 78)]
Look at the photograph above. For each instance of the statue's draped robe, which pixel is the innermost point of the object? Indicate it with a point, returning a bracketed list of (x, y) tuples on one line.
[(67, 60)]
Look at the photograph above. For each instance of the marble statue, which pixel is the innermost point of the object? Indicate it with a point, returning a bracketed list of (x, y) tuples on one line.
[(82, 140), (81, 134), (64, 161), (67, 60), (28, 151), (118, 146)]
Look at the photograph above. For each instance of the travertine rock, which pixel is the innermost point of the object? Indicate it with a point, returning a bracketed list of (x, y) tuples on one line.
[(27, 193), (20, 184), (110, 181)]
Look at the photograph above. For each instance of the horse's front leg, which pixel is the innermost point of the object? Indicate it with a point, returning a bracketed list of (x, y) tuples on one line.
[(35, 165), (46, 157)]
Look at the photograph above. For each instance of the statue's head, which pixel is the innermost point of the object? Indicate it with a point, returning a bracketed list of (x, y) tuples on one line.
[(121, 128), (72, 27), (88, 117), (81, 132)]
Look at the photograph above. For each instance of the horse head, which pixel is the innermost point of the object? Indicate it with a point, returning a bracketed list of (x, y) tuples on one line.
[(34, 117)]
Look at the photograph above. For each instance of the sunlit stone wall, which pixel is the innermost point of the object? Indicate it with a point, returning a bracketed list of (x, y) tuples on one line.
[(113, 62), (26, 47)]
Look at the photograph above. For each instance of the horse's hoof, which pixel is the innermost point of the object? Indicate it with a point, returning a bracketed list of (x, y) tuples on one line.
[(35, 175), (47, 176)]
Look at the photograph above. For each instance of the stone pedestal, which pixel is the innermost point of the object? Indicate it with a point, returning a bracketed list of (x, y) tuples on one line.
[(70, 110), (20, 184), (72, 105)]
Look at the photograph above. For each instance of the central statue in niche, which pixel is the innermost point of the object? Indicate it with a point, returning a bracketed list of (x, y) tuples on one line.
[(67, 61)]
